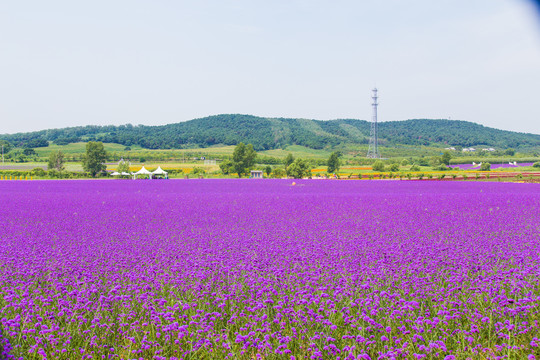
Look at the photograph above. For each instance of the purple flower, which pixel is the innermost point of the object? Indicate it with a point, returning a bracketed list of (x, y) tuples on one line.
[(233, 268)]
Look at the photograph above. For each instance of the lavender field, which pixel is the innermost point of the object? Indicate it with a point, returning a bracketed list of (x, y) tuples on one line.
[(248, 269)]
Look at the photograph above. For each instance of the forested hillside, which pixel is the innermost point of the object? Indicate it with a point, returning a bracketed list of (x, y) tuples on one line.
[(272, 133)]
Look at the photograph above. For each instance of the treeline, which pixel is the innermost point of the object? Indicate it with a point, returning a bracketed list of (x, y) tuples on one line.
[(274, 133)]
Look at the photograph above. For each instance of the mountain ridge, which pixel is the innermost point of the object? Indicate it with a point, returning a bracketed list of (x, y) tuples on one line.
[(272, 133)]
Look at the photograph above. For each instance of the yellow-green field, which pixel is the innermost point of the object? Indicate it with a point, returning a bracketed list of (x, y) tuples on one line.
[(80, 148)]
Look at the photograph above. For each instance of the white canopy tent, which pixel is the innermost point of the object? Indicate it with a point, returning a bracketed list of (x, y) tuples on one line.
[(125, 173), (142, 171), (116, 173), (159, 171)]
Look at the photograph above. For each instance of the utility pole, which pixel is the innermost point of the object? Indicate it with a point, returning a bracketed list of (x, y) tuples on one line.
[(373, 150)]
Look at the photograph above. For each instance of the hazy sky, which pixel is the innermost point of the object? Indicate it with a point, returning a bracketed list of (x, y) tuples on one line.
[(68, 63)]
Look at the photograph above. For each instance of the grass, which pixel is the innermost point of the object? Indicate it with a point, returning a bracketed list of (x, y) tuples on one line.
[(79, 148), (351, 152), (297, 151)]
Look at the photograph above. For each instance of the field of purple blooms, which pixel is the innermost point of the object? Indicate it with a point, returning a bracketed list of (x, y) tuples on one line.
[(262, 269)]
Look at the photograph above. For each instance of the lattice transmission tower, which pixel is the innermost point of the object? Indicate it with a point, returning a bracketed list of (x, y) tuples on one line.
[(373, 149)]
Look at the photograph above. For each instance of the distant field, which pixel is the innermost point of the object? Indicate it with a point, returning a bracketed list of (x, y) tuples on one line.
[(70, 166), (349, 151), (297, 151), (187, 158), (79, 147)]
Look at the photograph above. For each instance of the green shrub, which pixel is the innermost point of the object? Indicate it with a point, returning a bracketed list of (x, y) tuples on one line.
[(536, 164), (442, 167), (198, 171), (394, 167), (415, 168), (279, 173), (38, 172), (53, 174), (485, 167), (378, 166)]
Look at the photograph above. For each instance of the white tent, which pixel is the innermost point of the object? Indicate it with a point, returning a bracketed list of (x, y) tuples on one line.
[(143, 171), (159, 171), (125, 173), (116, 173)]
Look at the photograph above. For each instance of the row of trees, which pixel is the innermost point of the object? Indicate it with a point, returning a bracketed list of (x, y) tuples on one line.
[(244, 156), (93, 159), (241, 163)]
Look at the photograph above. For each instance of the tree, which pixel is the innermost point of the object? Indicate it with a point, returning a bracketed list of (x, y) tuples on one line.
[(56, 161), (243, 158), (279, 173), (198, 171), (94, 158), (378, 166), (5, 145), (334, 162), (299, 169), (268, 170), (485, 167), (404, 162), (288, 160), (394, 167), (226, 167), (29, 152), (435, 161), (123, 166), (510, 152), (16, 155), (445, 158)]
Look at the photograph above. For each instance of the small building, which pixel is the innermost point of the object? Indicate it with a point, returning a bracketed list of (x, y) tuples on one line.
[(256, 174)]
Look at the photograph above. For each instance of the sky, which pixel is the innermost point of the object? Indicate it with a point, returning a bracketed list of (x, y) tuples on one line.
[(71, 63)]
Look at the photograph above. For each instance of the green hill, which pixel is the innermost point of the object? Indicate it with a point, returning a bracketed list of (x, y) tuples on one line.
[(275, 133)]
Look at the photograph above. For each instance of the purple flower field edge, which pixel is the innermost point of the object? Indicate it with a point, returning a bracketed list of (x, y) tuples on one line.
[(251, 269)]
